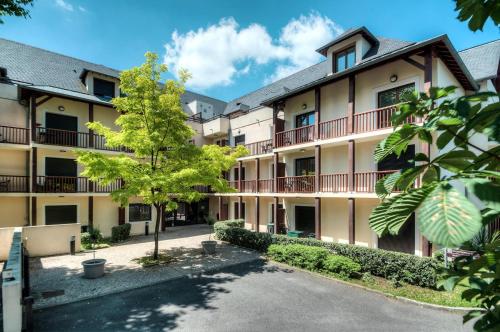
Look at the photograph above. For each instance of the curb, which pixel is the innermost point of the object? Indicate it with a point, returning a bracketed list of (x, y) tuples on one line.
[(462, 310)]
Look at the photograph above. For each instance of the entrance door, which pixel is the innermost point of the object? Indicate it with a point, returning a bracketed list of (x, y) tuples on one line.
[(61, 175), (61, 129), (403, 242), (60, 214), (304, 219), (303, 120)]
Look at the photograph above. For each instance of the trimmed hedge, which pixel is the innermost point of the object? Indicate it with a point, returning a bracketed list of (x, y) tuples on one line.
[(310, 258), (420, 271), (343, 266), (120, 232)]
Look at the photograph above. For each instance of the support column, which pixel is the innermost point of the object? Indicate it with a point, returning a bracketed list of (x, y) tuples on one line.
[(121, 215), (275, 171), (240, 207), (91, 212), (33, 117), (33, 211), (257, 213), (317, 111), (240, 164), (275, 215), (220, 208), (91, 119), (351, 165), (351, 104), (352, 218), (34, 167), (257, 174), (317, 168), (275, 117), (317, 217)]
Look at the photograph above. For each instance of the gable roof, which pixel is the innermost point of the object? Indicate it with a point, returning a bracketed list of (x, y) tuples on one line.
[(46, 71), (482, 60), (346, 35)]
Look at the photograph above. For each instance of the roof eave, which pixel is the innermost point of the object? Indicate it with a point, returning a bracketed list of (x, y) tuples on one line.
[(67, 96)]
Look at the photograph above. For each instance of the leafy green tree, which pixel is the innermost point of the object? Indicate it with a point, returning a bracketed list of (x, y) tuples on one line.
[(459, 191), (14, 8), (165, 167), (477, 12)]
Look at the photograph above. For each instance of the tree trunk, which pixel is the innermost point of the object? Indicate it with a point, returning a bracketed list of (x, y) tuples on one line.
[(157, 229)]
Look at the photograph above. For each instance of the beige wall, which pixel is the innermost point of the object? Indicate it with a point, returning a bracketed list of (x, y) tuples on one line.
[(51, 239), (253, 130), (105, 214), (12, 113), (294, 107), (80, 201), (13, 162), (334, 220), (334, 159), (5, 242), (13, 211), (334, 100), (106, 115), (71, 108), (364, 236)]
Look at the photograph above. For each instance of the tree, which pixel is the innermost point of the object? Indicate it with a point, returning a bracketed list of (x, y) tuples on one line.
[(446, 213), (477, 12), (14, 8), (165, 167)]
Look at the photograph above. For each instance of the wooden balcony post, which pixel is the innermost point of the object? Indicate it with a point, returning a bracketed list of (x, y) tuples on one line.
[(275, 118), (317, 111), (352, 218), (257, 213), (121, 215), (91, 212), (275, 171), (351, 104), (240, 208), (351, 165), (91, 119), (33, 117), (275, 215), (317, 168), (34, 166), (257, 172), (33, 211), (240, 164), (220, 208), (317, 217)]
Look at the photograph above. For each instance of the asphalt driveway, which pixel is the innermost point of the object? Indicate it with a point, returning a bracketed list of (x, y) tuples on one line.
[(254, 296)]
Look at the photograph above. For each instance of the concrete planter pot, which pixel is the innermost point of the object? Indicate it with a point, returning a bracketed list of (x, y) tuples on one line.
[(93, 268), (209, 247)]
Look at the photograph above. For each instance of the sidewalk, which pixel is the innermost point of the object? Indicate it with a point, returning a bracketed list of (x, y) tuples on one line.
[(58, 279)]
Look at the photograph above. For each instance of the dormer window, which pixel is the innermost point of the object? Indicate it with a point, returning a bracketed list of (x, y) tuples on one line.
[(345, 59), (104, 89)]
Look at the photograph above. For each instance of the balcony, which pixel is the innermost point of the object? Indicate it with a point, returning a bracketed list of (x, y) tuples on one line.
[(14, 184), (364, 182), (296, 184), (261, 147), (70, 184), (376, 119), (295, 136), (248, 186), (333, 128), (73, 139), (14, 135), (265, 186), (217, 126), (334, 183)]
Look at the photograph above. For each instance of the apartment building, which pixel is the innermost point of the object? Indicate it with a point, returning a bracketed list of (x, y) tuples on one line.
[(310, 137)]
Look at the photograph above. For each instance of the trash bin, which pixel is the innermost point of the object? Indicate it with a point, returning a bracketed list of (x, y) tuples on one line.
[(270, 228), (294, 233)]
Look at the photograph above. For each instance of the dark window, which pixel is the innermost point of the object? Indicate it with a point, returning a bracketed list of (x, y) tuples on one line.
[(395, 96), (60, 167), (60, 214), (345, 59), (236, 174), (105, 89), (139, 212), (239, 140), (392, 162), (60, 130), (304, 166), (306, 119), (304, 219), (236, 211)]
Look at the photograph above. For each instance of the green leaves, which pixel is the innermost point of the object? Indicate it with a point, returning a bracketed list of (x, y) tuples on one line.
[(396, 142), (477, 12), (447, 217)]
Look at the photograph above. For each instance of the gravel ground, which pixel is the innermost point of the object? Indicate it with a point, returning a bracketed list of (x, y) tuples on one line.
[(58, 279)]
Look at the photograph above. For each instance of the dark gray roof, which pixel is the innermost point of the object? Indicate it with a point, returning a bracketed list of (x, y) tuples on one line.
[(308, 75), (482, 60), (348, 34), (52, 72)]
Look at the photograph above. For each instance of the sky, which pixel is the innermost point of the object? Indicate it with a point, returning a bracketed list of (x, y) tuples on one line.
[(230, 47)]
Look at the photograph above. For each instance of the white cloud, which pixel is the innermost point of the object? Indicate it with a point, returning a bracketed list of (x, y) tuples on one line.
[(64, 5), (216, 55), (82, 9)]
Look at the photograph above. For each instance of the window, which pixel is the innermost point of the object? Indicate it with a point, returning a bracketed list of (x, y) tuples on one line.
[(239, 140), (304, 166), (105, 89), (139, 212), (60, 214), (236, 211), (345, 59), (306, 119), (395, 96)]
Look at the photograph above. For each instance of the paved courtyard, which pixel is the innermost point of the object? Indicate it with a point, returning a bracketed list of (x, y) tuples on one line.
[(252, 296), (58, 279)]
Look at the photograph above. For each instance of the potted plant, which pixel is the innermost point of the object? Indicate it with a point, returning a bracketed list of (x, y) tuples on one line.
[(93, 268), (210, 245)]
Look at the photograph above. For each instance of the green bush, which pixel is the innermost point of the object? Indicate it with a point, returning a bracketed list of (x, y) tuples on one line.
[(242, 237), (120, 232), (92, 236), (306, 257), (343, 266)]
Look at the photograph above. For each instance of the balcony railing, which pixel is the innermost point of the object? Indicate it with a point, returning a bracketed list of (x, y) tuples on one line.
[(73, 138), (14, 184), (266, 186), (14, 135), (71, 184), (333, 128), (295, 136), (365, 181), (248, 186), (296, 184), (376, 119), (107, 188), (261, 147), (234, 184), (334, 182)]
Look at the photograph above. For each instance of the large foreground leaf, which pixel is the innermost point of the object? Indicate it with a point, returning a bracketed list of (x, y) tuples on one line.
[(447, 217)]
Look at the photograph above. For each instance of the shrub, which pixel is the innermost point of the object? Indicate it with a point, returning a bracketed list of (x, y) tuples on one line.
[(242, 237), (120, 232), (367, 277), (306, 257), (92, 236), (343, 266)]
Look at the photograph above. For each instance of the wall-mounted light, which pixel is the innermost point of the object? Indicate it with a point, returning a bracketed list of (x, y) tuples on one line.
[(304, 106), (393, 78), (239, 131), (61, 108)]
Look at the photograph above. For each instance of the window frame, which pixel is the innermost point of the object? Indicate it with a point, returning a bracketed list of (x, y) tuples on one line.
[(309, 159), (106, 82), (343, 53), (400, 88), (140, 219), (306, 114), (241, 135)]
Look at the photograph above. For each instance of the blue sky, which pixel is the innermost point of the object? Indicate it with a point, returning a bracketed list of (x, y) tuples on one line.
[(230, 47)]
